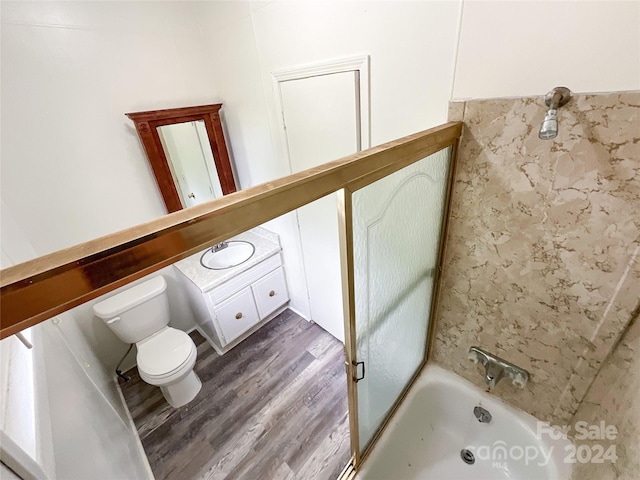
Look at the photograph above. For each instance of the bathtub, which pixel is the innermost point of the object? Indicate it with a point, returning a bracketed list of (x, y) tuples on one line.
[(436, 422)]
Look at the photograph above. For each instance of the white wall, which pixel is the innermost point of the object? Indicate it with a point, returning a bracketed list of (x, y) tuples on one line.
[(92, 434), (73, 168), (524, 48)]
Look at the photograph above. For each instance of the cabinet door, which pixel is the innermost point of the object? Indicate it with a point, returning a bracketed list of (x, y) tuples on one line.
[(237, 315), (270, 292)]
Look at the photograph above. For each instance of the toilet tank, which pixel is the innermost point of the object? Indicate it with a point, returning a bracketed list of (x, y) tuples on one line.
[(137, 312)]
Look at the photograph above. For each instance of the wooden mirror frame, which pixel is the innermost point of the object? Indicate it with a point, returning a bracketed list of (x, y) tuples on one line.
[(146, 126)]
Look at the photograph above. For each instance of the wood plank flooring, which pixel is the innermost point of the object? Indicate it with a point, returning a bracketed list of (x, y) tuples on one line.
[(274, 407)]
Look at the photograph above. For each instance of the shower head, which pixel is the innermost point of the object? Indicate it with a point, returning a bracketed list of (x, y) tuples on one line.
[(549, 127), (556, 98)]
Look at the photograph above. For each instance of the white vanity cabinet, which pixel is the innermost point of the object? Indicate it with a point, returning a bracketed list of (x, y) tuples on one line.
[(244, 301), (231, 305)]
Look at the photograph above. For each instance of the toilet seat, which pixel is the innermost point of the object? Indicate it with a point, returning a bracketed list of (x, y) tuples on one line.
[(166, 355)]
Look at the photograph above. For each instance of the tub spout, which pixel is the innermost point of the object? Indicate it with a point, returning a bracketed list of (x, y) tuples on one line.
[(494, 373)]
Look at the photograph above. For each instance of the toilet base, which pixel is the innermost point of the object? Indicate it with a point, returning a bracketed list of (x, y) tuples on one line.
[(182, 392)]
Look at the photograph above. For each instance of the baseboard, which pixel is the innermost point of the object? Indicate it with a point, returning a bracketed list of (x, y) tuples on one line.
[(294, 310), (132, 426), (192, 329)]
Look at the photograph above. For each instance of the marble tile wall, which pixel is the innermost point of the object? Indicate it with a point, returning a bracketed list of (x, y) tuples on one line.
[(613, 399), (542, 265)]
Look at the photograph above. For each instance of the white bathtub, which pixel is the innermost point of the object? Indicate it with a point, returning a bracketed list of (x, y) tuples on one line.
[(436, 422)]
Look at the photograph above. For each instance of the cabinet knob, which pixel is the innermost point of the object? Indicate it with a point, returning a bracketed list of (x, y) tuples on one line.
[(239, 315), (272, 293)]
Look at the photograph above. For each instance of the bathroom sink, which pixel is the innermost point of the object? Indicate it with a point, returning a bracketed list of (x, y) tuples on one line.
[(227, 254)]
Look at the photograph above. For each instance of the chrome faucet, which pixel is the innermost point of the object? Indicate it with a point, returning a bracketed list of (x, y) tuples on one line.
[(497, 368), (493, 373), (219, 246)]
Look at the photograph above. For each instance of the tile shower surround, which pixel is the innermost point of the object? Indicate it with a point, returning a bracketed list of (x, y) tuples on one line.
[(543, 253), (613, 398)]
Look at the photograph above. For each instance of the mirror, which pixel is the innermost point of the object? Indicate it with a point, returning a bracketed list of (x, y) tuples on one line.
[(187, 153)]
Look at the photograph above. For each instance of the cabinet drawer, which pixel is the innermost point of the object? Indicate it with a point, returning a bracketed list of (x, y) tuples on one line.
[(237, 315), (270, 292)]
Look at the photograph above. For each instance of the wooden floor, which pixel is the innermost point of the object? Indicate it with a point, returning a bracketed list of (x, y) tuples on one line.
[(274, 407)]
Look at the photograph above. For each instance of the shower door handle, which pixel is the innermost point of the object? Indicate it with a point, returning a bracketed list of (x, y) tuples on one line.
[(355, 376)]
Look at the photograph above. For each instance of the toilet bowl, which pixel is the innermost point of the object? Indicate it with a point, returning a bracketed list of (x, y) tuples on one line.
[(166, 360), (166, 356)]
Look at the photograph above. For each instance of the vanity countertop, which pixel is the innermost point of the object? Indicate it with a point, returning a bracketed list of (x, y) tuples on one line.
[(266, 244)]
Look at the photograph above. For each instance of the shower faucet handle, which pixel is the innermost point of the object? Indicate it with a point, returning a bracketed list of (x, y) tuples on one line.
[(496, 368)]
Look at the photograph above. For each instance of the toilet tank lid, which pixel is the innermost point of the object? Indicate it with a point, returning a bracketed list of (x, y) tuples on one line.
[(129, 298)]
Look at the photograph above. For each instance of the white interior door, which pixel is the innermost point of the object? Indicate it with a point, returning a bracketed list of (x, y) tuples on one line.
[(321, 121)]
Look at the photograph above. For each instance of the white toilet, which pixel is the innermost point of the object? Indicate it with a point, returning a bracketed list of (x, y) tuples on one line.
[(166, 356)]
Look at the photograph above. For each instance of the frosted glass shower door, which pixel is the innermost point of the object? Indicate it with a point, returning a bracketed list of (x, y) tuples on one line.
[(396, 228)]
